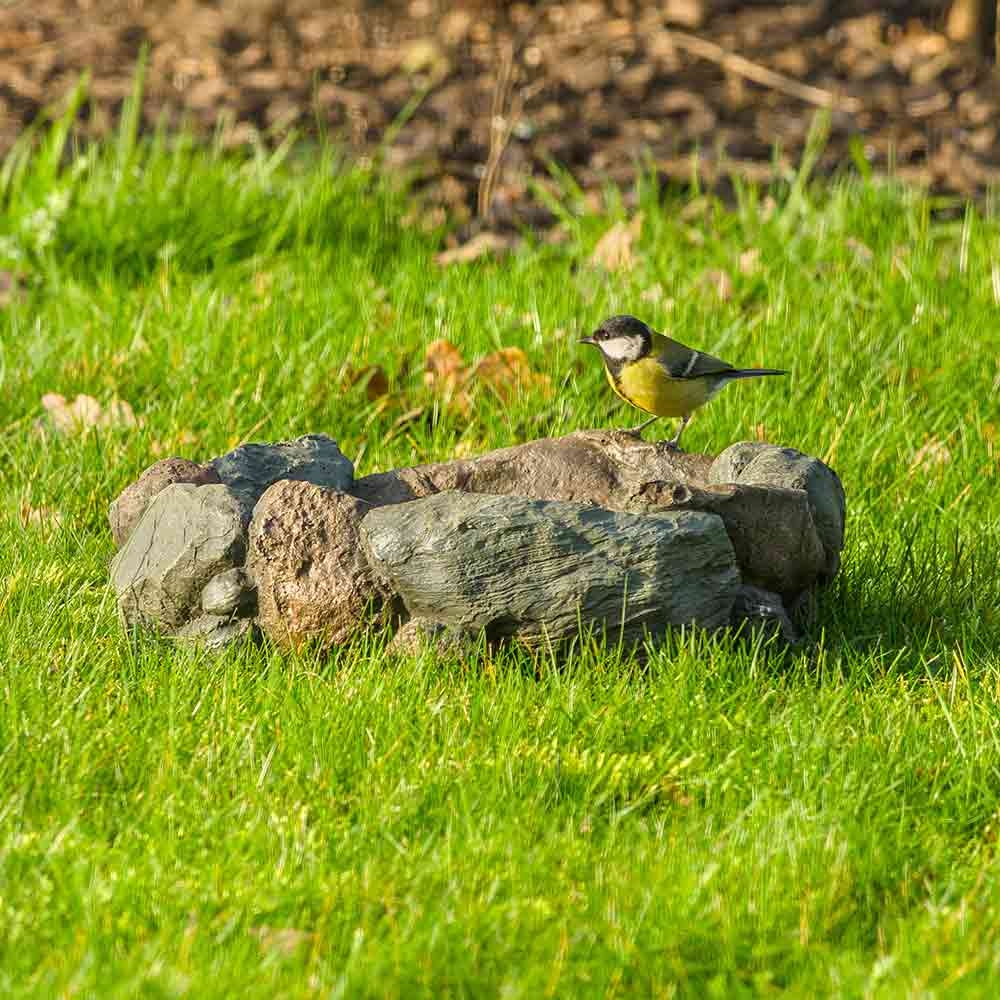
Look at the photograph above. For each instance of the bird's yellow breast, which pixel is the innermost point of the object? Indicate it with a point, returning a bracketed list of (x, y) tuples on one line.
[(646, 385)]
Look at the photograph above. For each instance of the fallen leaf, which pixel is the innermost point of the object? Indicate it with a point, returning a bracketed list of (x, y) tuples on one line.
[(445, 374), (508, 370), (372, 377), (719, 281), (443, 364), (86, 412), (613, 251), (284, 940), (480, 245), (750, 261)]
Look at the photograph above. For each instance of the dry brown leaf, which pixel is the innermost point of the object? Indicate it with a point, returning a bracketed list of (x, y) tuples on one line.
[(372, 377), (508, 370), (750, 261), (284, 940), (443, 364), (478, 246), (86, 412), (719, 281), (613, 251), (445, 374)]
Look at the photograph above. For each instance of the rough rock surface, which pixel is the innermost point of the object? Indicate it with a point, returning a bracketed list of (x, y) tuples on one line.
[(514, 543), (187, 535), (315, 458), (416, 635), (536, 570), (228, 593), (756, 463), (607, 468), (776, 542), (761, 608), (131, 504), (215, 631), (770, 506), (312, 579)]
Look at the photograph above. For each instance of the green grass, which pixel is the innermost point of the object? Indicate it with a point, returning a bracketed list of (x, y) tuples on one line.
[(729, 819)]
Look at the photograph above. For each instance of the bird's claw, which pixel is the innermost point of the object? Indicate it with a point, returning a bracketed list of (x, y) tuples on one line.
[(669, 445)]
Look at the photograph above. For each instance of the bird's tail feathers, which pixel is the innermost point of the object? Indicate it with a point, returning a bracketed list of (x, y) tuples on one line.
[(752, 372)]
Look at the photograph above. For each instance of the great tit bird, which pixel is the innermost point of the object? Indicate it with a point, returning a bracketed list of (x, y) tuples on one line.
[(659, 375)]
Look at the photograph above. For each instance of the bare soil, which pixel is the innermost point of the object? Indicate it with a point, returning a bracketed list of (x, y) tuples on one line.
[(475, 97)]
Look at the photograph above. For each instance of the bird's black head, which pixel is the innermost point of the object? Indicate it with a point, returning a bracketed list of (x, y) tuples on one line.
[(621, 339)]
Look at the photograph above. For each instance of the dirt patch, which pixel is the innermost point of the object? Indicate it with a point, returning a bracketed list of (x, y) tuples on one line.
[(477, 97)]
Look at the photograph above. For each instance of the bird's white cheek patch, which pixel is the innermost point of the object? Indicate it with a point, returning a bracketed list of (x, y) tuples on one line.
[(621, 349)]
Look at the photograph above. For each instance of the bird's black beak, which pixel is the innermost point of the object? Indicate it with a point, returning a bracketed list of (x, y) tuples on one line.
[(588, 340)]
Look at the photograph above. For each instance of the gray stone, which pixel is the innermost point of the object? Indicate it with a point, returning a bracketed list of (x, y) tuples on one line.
[(775, 539), (229, 592), (127, 509), (538, 570), (187, 535), (762, 609), (759, 464), (315, 458), (313, 581), (215, 631)]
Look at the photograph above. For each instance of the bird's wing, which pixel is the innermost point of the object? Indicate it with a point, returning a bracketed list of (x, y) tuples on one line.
[(683, 362)]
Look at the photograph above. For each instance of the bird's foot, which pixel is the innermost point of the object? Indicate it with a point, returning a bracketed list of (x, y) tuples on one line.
[(669, 445)]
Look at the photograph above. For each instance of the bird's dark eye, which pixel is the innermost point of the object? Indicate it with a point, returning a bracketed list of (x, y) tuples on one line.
[(601, 335)]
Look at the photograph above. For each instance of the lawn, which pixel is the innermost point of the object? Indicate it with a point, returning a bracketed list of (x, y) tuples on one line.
[(729, 818)]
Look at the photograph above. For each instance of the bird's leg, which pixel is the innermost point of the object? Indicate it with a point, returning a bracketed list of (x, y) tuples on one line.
[(637, 431), (674, 444)]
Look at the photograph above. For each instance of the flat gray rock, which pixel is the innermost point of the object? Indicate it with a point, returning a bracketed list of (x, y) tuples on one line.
[(127, 509), (187, 535), (537, 570), (315, 458)]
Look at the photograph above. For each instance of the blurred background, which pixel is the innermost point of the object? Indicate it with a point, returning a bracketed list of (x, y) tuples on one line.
[(474, 99)]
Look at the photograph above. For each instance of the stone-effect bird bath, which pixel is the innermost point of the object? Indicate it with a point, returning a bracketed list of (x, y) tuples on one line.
[(596, 529)]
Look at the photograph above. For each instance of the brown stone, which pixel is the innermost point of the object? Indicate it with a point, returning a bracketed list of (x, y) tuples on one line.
[(312, 579)]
